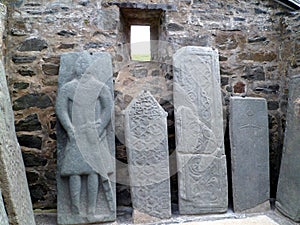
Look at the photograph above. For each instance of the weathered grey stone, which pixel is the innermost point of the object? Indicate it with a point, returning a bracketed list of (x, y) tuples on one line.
[(147, 150), (107, 19), (50, 69), (138, 5), (96, 45), (15, 3), (39, 100), (30, 123), (66, 45), (3, 215), (288, 192), (33, 159), (254, 73), (30, 141), (201, 160), (249, 138), (23, 59), (26, 71), (66, 33), (21, 85), (273, 105), (256, 39), (33, 44), (12, 171), (86, 166)]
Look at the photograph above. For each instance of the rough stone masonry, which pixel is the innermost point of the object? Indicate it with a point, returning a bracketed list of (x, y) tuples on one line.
[(258, 43)]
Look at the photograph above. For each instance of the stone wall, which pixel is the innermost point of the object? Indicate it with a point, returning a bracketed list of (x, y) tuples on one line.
[(258, 43)]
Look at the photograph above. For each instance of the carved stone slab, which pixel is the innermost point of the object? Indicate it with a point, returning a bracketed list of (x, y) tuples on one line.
[(147, 150), (249, 138), (201, 160), (85, 139), (13, 182), (3, 215), (288, 192)]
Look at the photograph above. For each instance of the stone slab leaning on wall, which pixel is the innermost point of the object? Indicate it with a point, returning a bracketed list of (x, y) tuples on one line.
[(3, 215), (201, 161), (85, 139), (13, 180), (288, 193), (249, 139), (148, 157)]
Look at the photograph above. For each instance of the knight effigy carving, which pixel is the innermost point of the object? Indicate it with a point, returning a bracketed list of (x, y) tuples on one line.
[(86, 168)]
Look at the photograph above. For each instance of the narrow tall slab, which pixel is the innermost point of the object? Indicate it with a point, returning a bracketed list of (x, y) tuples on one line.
[(3, 215), (13, 180), (249, 138), (201, 160), (148, 158), (288, 192), (85, 139)]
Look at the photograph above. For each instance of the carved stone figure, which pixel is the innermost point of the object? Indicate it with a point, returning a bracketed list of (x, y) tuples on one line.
[(147, 150), (84, 107), (201, 161), (249, 138), (288, 192)]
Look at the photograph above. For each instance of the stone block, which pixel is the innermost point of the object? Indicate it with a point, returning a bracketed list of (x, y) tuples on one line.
[(23, 59), (31, 160), (86, 146), (249, 138), (21, 85), (13, 182), (33, 44), (148, 158), (288, 191), (30, 141), (26, 71), (66, 33), (201, 160), (254, 73), (39, 100), (50, 69), (30, 123)]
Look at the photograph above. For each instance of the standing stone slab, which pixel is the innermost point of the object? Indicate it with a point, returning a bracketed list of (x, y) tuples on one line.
[(3, 215), (13, 182), (85, 139), (288, 192), (249, 138), (201, 160), (148, 158)]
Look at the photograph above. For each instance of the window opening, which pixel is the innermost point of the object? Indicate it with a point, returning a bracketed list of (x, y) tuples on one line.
[(140, 43)]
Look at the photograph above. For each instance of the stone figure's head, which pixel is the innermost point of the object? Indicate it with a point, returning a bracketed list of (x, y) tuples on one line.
[(82, 63)]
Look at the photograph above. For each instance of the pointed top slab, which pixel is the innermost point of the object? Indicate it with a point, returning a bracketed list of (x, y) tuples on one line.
[(145, 107), (147, 150)]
